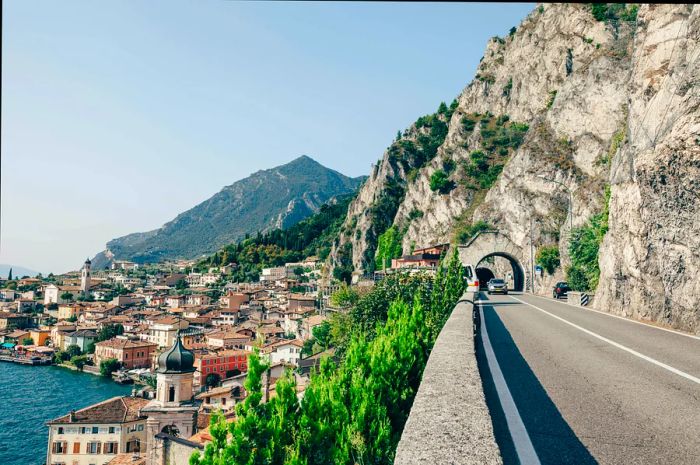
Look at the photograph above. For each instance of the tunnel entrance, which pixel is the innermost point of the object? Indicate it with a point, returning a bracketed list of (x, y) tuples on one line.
[(501, 265), (484, 275)]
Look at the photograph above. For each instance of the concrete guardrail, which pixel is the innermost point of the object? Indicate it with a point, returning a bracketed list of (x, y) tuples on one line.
[(449, 422)]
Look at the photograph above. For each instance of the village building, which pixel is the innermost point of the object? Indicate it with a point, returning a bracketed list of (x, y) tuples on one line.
[(96, 434), (224, 364), (162, 331), (130, 354)]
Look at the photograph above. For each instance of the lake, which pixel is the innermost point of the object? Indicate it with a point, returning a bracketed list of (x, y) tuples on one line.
[(30, 396)]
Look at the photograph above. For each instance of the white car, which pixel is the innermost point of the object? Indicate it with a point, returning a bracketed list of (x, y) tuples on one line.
[(471, 279)]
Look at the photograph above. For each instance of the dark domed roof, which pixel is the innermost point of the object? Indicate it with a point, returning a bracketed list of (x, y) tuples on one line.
[(177, 359)]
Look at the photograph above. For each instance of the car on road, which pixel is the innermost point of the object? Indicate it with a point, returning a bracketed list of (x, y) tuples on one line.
[(470, 278), (560, 289), (497, 285)]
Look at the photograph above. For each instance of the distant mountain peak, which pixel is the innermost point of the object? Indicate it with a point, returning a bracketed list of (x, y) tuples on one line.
[(275, 197)]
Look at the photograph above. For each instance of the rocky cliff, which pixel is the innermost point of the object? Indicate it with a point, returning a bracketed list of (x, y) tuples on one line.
[(268, 199), (600, 99)]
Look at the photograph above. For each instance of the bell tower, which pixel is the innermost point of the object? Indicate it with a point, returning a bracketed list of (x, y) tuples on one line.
[(85, 278), (173, 411)]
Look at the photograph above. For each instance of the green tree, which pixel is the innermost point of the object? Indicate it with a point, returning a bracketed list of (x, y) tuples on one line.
[(440, 182), (61, 356), (548, 257), (67, 296), (90, 349), (79, 361), (212, 380), (9, 275), (109, 366), (73, 350), (109, 331), (388, 247), (345, 296), (27, 341)]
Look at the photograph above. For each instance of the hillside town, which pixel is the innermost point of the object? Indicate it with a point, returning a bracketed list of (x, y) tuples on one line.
[(130, 321)]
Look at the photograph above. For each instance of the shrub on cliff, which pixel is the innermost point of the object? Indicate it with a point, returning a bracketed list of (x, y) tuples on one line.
[(548, 257)]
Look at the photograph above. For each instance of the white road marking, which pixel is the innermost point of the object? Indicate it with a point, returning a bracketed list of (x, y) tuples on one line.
[(516, 427), (647, 325), (618, 345)]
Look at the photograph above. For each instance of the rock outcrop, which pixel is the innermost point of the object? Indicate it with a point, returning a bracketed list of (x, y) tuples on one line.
[(587, 103)]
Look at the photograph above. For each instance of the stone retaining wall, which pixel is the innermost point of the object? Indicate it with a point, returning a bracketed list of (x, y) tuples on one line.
[(449, 422)]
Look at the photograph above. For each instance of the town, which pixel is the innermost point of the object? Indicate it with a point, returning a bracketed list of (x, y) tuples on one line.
[(129, 321)]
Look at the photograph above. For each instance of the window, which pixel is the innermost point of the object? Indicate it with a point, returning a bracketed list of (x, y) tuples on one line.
[(171, 394), (139, 427), (93, 448), (60, 430), (83, 430), (95, 430), (76, 447), (111, 447), (59, 447), (126, 356), (111, 430), (133, 446)]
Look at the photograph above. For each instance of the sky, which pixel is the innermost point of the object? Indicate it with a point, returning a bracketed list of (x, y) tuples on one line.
[(118, 115)]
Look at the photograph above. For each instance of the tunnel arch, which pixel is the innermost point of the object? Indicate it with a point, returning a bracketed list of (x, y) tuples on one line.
[(493, 243), (518, 272)]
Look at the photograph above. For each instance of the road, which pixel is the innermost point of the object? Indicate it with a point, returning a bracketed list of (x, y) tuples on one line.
[(587, 387)]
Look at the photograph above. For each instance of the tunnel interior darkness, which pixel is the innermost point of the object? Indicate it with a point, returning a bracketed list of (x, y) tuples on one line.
[(484, 273)]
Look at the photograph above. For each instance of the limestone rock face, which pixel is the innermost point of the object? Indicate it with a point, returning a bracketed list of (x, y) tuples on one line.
[(606, 103), (650, 257)]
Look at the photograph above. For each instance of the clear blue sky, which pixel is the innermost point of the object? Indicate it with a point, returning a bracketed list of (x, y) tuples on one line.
[(118, 115)]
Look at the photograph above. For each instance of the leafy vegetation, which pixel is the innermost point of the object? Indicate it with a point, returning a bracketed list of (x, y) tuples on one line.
[(109, 366), (354, 412), (507, 88), (465, 233), (614, 12), (584, 272), (440, 182), (388, 247), (548, 257), (552, 97), (499, 136)]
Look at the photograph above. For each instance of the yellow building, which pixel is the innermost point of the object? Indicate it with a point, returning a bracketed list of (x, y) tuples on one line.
[(66, 312), (96, 434), (40, 336)]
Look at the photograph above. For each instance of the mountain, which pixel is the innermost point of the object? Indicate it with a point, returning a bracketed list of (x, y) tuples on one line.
[(602, 98), (268, 199), (17, 271)]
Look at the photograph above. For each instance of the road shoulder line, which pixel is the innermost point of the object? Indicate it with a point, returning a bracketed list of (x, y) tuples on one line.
[(619, 317), (615, 344), (516, 427)]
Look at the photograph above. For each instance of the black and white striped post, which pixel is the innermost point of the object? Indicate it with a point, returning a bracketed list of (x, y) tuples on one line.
[(584, 299)]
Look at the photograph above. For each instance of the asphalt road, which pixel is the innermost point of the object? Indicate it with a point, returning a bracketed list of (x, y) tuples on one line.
[(589, 388)]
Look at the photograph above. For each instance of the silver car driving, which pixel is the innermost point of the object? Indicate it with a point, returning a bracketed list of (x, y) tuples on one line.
[(497, 285)]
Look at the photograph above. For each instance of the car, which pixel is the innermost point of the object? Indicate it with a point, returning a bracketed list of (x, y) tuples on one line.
[(497, 285), (560, 289), (472, 281)]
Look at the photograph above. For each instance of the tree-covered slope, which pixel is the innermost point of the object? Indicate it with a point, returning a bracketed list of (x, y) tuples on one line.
[(312, 236)]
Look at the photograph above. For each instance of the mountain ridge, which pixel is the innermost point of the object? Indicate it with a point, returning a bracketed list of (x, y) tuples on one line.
[(277, 197)]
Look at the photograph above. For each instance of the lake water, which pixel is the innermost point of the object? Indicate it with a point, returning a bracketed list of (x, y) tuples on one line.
[(30, 396)]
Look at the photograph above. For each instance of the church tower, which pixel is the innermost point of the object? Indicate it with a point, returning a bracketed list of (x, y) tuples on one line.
[(173, 411), (85, 278)]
